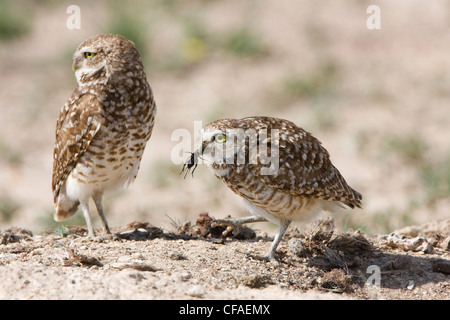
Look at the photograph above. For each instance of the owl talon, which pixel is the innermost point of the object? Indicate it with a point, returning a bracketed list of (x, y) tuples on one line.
[(233, 229), (258, 257), (231, 225), (266, 258), (112, 236)]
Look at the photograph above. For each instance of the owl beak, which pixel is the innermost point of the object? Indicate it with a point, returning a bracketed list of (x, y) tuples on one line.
[(76, 64), (205, 144)]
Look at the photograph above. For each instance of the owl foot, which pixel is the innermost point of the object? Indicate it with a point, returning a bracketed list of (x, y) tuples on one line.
[(232, 225), (268, 257), (258, 257), (104, 237), (111, 236)]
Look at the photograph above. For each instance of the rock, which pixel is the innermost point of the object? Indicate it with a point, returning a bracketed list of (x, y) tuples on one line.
[(296, 247), (196, 291)]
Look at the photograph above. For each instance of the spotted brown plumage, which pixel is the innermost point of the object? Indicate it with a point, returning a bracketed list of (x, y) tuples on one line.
[(102, 130), (302, 180)]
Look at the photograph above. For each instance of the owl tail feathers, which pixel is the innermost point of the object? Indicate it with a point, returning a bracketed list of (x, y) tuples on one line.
[(65, 208), (354, 200)]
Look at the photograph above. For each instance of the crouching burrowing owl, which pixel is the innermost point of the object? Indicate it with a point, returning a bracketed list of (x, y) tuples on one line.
[(283, 173), (102, 130)]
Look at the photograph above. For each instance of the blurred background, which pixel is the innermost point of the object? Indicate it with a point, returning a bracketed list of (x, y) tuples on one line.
[(379, 100)]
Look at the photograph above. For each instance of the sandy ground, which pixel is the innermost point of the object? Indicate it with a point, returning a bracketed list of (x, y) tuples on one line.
[(148, 263), (377, 99)]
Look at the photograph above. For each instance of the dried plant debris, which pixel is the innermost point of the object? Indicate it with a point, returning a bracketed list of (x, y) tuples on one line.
[(341, 261), (203, 226), (434, 227), (140, 231), (407, 243), (336, 280), (77, 259), (445, 243), (255, 281), (328, 250), (139, 267), (203, 229), (425, 238), (14, 234)]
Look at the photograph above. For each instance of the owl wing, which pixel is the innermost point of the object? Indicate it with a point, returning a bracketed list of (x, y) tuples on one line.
[(304, 168), (76, 126)]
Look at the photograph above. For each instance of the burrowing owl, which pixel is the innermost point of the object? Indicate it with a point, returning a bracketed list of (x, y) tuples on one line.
[(283, 173), (102, 130)]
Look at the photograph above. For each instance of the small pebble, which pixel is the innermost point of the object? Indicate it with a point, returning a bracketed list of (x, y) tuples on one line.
[(196, 291)]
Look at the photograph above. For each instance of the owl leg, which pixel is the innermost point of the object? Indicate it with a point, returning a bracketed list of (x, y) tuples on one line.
[(98, 203), (233, 224), (270, 255), (87, 217)]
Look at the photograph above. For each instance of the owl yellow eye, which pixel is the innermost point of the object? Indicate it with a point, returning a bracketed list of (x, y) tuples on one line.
[(220, 138), (88, 55)]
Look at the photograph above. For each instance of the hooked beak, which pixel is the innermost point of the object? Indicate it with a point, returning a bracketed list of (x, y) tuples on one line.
[(76, 64), (204, 145)]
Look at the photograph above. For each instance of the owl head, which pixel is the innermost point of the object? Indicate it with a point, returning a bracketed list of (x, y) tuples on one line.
[(103, 57), (222, 144), (228, 143)]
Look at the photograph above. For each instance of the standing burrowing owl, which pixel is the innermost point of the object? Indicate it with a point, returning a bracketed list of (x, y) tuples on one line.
[(283, 173), (102, 129)]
